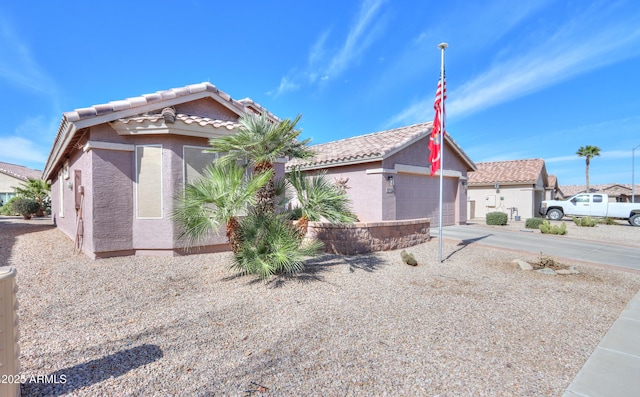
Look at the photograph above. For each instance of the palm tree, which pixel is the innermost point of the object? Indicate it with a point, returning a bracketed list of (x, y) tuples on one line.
[(220, 196), (261, 141), (319, 198), (35, 189), (270, 245), (588, 152)]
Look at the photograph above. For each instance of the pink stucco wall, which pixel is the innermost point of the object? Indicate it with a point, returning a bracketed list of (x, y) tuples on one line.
[(414, 195), (108, 176)]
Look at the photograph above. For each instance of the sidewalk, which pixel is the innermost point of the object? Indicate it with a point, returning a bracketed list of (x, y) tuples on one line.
[(613, 369)]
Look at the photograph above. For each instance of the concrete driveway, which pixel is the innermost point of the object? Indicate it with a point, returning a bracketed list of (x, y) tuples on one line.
[(556, 246)]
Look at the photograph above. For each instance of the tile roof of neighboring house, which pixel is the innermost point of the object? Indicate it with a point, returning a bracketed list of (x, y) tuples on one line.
[(553, 181), (509, 172), (614, 189), (370, 147), (76, 120), (20, 172)]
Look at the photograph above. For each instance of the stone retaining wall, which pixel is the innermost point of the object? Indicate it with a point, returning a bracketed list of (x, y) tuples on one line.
[(362, 237)]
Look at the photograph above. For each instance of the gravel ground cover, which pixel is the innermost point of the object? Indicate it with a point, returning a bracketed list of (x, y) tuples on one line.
[(348, 326)]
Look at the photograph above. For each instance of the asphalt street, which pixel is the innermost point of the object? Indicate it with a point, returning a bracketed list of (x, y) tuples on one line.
[(555, 246)]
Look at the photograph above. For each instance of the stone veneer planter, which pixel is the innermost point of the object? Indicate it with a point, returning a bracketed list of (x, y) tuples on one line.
[(363, 237)]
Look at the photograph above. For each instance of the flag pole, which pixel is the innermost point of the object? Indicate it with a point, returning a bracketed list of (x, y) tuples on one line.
[(442, 47)]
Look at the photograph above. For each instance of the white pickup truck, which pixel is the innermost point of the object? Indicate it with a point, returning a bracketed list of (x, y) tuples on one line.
[(591, 204)]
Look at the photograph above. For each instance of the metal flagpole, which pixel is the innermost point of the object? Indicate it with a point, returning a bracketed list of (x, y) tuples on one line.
[(441, 46)]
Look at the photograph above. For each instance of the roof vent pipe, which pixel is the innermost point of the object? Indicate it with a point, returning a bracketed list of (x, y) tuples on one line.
[(169, 115)]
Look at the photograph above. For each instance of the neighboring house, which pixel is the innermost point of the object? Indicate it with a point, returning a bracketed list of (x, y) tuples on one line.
[(515, 187), (552, 192), (617, 192), (12, 176), (388, 175), (115, 169)]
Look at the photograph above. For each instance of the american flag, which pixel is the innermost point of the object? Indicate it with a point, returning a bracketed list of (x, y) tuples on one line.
[(438, 123)]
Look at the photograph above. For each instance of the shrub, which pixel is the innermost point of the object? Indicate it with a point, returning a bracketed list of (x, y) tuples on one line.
[(270, 245), (547, 228), (7, 208), (497, 218), (608, 221), (26, 207), (533, 223), (588, 221)]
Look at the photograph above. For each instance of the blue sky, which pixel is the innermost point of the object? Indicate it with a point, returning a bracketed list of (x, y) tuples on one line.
[(531, 80)]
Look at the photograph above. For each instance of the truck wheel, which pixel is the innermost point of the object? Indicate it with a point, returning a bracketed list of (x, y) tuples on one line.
[(555, 214), (635, 220)]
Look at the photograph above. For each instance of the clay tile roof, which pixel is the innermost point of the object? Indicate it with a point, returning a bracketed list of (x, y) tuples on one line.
[(20, 172), (514, 171), (369, 147), (612, 189), (146, 99), (185, 118)]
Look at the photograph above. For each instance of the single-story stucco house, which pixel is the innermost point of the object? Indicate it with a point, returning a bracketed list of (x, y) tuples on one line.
[(516, 187), (388, 174), (622, 193), (116, 168), (11, 176)]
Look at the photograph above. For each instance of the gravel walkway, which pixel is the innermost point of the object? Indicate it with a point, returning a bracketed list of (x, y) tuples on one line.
[(361, 326)]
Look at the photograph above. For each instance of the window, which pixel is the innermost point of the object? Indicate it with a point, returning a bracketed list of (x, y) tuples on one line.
[(597, 198), (61, 193), (195, 161), (149, 181), (581, 199)]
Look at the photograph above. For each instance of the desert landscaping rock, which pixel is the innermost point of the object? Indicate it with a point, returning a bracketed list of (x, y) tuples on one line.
[(522, 265), (547, 271), (348, 325)]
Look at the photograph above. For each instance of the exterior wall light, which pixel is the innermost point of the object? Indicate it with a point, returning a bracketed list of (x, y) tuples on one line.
[(391, 181)]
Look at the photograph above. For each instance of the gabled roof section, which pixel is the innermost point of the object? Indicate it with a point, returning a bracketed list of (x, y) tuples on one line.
[(76, 120), (612, 189), (509, 172), (370, 147), (19, 171)]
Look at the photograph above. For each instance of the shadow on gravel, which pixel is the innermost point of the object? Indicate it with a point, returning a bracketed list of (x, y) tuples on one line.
[(82, 375), (464, 243), (314, 267), (12, 227)]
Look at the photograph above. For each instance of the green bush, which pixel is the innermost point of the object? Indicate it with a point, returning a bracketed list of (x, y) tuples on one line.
[(533, 223), (497, 218), (588, 221), (608, 221), (7, 208), (26, 207), (269, 244), (547, 228)]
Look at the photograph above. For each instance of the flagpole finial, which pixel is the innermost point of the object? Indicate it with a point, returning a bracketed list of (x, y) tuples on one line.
[(442, 46)]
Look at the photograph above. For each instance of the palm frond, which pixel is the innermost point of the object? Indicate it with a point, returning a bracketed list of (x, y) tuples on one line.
[(224, 191)]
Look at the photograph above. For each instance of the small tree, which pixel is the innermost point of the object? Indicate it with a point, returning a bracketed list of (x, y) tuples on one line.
[(319, 198), (25, 207), (219, 197), (261, 141), (35, 189), (588, 152)]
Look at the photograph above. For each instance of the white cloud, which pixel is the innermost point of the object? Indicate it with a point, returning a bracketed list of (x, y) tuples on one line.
[(595, 38), (587, 43), (18, 65), (21, 151), (324, 64)]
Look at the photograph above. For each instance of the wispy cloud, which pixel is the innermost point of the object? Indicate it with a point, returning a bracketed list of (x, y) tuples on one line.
[(23, 151), (18, 65), (595, 38), (589, 42), (324, 63)]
